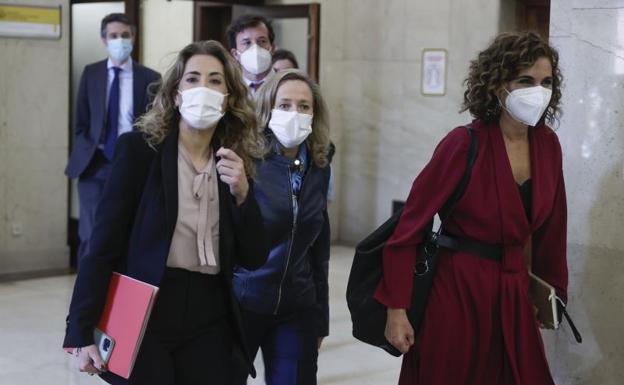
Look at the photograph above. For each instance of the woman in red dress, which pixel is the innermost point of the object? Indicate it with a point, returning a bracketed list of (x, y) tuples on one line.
[(480, 326)]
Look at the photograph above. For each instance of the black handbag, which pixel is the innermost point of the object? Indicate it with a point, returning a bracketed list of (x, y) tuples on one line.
[(369, 316)]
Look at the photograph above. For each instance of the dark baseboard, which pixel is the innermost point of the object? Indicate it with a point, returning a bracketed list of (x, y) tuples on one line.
[(10, 277)]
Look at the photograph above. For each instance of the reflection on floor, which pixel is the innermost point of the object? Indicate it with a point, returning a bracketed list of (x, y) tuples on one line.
[(32, 315)]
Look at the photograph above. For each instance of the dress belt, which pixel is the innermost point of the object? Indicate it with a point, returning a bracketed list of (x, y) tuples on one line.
[(471, 246)]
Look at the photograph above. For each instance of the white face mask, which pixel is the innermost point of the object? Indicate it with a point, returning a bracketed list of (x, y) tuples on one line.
[(527, 105), (201, 107), (290, 127), (256, 59), (119, 49)]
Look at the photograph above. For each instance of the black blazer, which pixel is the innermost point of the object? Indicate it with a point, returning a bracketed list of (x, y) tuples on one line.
[(91, 110), (134, 225)]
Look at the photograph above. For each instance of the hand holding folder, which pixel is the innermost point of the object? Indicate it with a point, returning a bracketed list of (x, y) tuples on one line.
[(550, 307), (126, 313), (543, 296)]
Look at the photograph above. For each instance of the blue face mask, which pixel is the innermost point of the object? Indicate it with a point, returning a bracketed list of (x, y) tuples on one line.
[(119, 49)]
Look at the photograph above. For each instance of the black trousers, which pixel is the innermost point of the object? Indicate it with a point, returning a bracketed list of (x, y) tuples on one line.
[(90, 189), (188, 340)]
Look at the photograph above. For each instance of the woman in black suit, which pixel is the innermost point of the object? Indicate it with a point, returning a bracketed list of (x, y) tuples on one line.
[(178, 212)]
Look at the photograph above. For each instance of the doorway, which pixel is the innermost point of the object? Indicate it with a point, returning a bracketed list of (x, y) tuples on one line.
[(85, 47), (296, 27), (534, 15)]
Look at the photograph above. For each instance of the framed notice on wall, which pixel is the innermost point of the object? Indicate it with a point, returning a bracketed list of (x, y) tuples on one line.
[(30, 21), (433, 79)]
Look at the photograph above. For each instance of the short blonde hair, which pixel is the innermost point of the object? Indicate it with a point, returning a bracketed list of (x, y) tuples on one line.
[(318, 141), (237, 130)]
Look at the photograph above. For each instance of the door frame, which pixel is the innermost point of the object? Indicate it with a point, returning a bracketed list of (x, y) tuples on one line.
[(310, 11)]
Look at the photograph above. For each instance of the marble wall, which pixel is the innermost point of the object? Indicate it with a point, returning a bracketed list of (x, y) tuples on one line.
[(370, 71), (589, 35), (34, 111)]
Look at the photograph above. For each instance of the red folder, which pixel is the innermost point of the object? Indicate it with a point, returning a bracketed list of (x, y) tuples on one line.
[(128, 306)]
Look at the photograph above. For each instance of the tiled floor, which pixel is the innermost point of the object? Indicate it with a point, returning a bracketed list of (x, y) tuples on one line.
[(32, 314)]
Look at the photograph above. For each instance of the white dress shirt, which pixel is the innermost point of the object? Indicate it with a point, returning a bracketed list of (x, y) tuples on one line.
[(248, 82)]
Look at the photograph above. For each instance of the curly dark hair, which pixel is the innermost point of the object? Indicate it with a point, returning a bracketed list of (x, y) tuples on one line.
[(501, 62)]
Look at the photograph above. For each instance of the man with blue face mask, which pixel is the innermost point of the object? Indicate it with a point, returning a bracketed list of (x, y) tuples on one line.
[(252, 43), (113, 93)]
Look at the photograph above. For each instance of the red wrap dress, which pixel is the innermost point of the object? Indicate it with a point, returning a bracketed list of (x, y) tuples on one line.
[(479, 327)]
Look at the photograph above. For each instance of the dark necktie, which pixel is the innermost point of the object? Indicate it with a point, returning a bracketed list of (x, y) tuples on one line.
[(112, 118), (255, 86)]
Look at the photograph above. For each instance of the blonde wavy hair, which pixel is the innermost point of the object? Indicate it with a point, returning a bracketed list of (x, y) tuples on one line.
[(318, 141), (507, 55), (237, 130)]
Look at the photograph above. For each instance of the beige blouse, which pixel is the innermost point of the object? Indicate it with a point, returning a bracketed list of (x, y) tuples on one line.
[(195, 242)]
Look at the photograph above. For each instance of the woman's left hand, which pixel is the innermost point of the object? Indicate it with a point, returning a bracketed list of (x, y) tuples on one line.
[(536, 312), (231, 170)]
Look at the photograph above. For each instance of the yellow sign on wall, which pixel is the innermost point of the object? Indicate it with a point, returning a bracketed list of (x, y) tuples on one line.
[(30, 21)]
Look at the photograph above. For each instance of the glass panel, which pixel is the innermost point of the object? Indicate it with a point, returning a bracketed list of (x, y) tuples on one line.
[(292, 34), (87, 48)]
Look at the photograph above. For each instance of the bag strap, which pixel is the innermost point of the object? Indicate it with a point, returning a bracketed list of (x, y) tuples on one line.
[(562, 310), (448, 207)]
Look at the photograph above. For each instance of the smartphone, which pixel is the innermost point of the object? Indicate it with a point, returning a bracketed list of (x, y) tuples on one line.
[(104, 343)]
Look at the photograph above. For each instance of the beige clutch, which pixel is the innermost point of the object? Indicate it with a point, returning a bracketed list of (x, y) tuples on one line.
[(544, 297)]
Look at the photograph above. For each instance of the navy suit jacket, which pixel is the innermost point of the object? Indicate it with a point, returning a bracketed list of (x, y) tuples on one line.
[(91, 110), (134, 225)]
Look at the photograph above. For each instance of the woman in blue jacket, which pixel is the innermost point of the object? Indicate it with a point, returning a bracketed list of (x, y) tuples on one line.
[(285, 302)]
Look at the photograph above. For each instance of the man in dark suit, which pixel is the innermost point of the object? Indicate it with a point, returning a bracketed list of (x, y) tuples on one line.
[(113, 93)]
